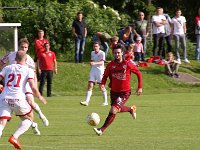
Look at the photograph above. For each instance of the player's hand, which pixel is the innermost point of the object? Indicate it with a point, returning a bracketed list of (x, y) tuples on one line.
[(91, 63), (39, 71), (42, 99), (139, 92), (102, 87)]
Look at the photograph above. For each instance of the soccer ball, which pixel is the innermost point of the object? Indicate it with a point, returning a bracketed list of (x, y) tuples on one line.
[(93, 119)]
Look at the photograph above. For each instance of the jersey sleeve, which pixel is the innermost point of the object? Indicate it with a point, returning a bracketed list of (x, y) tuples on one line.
[(5, 58), (30, 74), (136, 71), (30, 62), (106, 74), (103, 57)]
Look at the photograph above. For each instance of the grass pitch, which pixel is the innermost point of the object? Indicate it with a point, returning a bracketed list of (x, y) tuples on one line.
[(164, 122)]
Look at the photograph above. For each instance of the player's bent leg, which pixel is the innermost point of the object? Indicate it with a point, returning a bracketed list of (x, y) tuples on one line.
[(23, 127), (37, 109), (110, 118)]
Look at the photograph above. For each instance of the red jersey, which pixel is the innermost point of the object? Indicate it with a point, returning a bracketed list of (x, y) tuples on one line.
[(46, 60), (39, 46), (120, 76)]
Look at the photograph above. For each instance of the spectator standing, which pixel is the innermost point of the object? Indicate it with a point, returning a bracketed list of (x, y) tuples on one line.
[(103, 39), (138, 49), (79, 31), (179, 33), (47, 63), (197, 32), (39, 44), (13, 98), (141, 29), (119, 72), (96, 73), (167, 37), (159, 22)]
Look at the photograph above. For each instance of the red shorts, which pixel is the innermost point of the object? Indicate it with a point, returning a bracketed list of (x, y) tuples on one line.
[(119, 99)]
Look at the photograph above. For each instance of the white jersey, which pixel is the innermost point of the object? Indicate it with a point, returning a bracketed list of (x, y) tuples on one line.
[(96, 57), (178, 24), (10, 59), (16, 77), (158, 18)]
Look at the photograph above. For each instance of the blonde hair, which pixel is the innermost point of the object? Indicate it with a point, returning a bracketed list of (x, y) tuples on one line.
[(115, 38)]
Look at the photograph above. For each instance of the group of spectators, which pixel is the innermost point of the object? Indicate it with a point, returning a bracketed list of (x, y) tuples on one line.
[(164, 28)]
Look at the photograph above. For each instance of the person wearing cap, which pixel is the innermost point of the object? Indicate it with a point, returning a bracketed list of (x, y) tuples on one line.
[(138, 48)]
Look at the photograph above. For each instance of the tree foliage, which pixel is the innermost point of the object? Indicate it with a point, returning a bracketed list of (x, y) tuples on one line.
[(55, 17), (56, 20)]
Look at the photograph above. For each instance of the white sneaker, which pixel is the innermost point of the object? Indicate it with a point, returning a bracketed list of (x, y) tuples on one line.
[(44, 120), (36, 131), (179, 60), (133, 111), (84, 103), (186, 61), (98, 131), (104, 104)]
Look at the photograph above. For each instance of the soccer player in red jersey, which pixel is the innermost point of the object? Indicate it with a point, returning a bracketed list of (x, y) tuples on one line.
[(119, 72)]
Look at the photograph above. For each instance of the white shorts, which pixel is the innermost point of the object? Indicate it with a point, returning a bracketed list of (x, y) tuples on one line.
[(19, 106), (96, 76)]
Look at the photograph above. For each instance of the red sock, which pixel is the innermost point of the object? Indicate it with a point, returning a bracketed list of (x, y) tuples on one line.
[(108, 121), (125, 109)]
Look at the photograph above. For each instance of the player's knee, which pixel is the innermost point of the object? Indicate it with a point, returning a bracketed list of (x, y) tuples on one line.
[(114, 109)]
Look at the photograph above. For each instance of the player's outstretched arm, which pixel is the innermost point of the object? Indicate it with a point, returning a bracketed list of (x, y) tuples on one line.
[(36, 92)]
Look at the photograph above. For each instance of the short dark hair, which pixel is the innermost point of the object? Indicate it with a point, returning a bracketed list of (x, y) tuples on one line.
[(80, 12)]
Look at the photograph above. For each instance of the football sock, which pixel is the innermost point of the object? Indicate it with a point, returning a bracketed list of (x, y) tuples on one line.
[(105, 96), (125, 109), (23, 127), (38, 110), (1, 129), (108, 121), (88, 96)]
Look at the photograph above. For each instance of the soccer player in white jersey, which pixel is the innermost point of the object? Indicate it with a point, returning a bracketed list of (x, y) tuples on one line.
[(96, 74), (13, 98), (10, 59)]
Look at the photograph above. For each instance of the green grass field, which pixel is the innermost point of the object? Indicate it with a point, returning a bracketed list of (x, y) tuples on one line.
[(168, 116), (164, 122)]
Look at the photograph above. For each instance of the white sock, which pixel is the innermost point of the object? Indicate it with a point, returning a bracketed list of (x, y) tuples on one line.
[(88, 96), (23, 127), (1, 130), (105, 96), (38, 110), (33, 124)]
